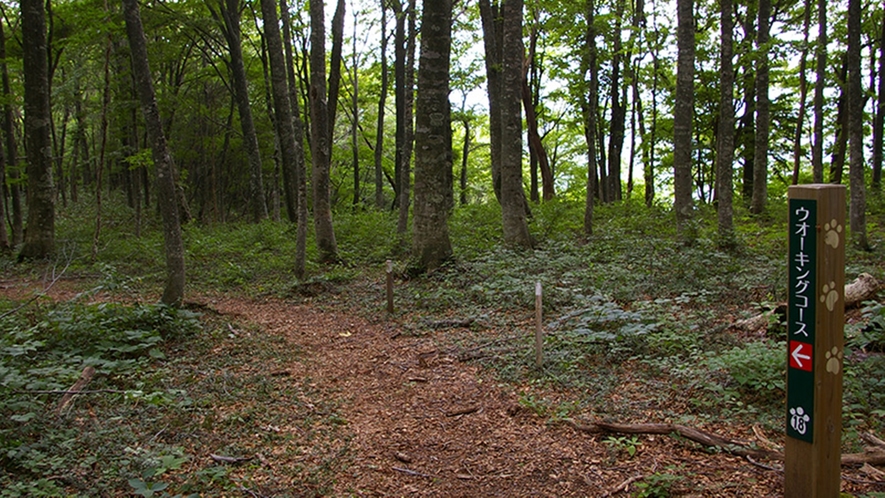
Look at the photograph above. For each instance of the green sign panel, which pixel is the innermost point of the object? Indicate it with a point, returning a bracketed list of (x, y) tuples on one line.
[(801, 319)]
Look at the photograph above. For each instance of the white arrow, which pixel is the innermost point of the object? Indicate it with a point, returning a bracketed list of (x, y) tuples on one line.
[(799, 357)]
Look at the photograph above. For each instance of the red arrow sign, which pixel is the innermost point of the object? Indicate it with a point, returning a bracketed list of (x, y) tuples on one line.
[(801, 355)]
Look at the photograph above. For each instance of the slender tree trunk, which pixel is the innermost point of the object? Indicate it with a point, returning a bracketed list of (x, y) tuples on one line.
[(335, 68), (879, 120), (619, 111), (464, 154), (230, 11), (857, 203), (408, 137), (355, 111), (40, 236), (747, 128), (513, 202), (725, 147), (103, 137), (763, 117), (173, 293), (803, 93), (536, 145), (298, 132), (682, 119), (433, 135), (491, 37), (320, 136), (837, 162), (11, 147), (589, 66), (820, 55), (382, 101), (289, 145)]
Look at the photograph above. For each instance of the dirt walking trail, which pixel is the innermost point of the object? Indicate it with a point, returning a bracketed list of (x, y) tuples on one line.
[(424, 424)]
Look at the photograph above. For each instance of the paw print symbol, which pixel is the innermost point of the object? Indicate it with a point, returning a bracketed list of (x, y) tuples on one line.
[(829, 295), (831, 236), (834, 361)]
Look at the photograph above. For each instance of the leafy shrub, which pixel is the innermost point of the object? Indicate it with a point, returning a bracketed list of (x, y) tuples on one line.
[(757, 367)]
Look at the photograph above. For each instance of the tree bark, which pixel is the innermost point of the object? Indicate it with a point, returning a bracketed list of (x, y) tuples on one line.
[(491, 37), (433, 136), (408, 133), (682, 119), (320, 133), (879, 120), (382, 101), (857, 203), (589, 67), (536, 145), (11, 147), (803, 93), (230, 12), (763, 116), (820, 55), (725, 147), (175, 271), (39, 240), (618, 112), (298, 132), (747, 127), (513, 201)]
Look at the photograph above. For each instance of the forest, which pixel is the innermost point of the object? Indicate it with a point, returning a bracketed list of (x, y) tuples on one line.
[(255, 248)]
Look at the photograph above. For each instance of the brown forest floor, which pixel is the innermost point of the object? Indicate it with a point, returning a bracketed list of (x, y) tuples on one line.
[(416, 421), (425, 424)]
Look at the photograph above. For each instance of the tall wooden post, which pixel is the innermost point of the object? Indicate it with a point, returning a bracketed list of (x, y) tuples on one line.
[(816, 317)]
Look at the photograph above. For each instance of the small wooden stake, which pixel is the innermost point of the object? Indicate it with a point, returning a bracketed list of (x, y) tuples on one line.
[(816, 316), (539, 332), (389, 286)]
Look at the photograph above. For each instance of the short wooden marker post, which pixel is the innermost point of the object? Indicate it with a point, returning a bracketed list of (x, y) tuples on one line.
[(389, 286), (539, 331), (816, 317)]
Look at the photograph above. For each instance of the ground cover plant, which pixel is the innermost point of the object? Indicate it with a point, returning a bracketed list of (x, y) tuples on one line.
[(217, 398)]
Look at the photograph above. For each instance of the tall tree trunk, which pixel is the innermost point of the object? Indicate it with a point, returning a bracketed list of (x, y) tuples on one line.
[(513, 202), (747, 128), (682, 119), (820, 56), (175, 276), (230, 11), (103, 136), (11, 154), (40, 236), (491, 37), (404, 160), (289, 145), (298, 133), (465, 151), (725, 147), (355, 111), (382, 101), (399, 83), (11, 146), (803, 92), (320, 136), (837, 161), (618, 113), (879, 120), (763, 116), (433, 136), (535, 144), (589, 66), (857, 203)]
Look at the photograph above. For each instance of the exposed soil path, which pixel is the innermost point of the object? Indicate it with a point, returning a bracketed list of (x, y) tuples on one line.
[(425, 424)]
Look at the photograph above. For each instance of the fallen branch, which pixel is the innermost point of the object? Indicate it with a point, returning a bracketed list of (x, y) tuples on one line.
[(873, 455), (624, 486), (863, 288), (229, 460), (463, 411), (410, 472), (66, 400)]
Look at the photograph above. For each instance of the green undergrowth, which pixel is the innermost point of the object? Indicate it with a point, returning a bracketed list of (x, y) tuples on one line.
[(170, 389)]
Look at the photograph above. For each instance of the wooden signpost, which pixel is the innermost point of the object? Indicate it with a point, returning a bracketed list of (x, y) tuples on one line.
[(816, 317)]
